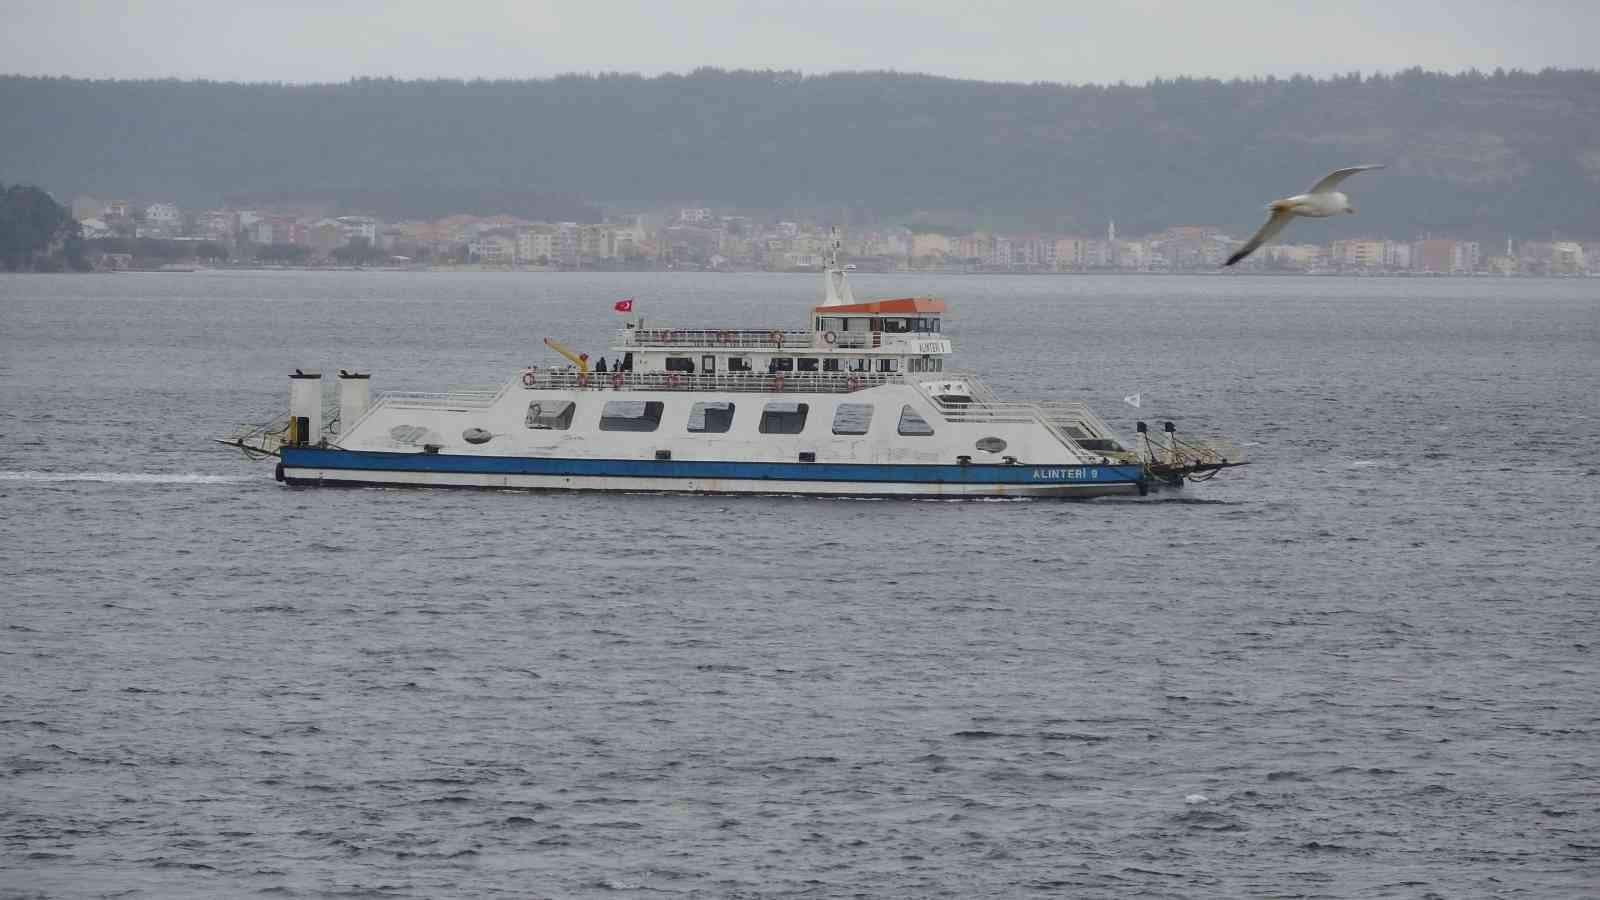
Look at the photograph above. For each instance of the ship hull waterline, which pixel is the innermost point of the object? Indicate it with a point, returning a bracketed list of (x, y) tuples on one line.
[(317, 467)]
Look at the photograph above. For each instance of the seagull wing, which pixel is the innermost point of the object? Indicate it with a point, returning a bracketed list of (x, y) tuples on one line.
[(1332, 179), (1274, 224)]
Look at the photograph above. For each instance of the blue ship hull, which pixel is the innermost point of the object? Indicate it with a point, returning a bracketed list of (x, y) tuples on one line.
[(357, 467)]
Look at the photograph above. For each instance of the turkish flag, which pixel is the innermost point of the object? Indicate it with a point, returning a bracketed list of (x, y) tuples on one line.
[(624, 306)]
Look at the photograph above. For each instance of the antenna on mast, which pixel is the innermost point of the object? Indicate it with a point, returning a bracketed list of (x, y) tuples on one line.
[(836, 291)]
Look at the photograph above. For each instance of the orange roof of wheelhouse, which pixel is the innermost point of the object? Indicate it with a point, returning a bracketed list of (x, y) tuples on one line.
[(897, 306)]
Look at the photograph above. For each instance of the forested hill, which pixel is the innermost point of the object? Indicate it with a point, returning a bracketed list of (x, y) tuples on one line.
[(1502, 153)]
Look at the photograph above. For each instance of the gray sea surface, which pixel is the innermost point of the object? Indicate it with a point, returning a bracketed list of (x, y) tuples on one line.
[(1363, 666)]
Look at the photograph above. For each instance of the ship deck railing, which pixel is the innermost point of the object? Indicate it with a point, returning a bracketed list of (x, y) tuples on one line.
[(745, 339), (733, 382), (475, 398)]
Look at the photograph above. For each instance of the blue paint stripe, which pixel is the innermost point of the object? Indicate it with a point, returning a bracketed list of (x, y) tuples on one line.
[(374, 461)]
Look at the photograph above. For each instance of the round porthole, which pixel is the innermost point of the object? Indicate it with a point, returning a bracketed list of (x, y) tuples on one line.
[(476, 436), (990, 444)]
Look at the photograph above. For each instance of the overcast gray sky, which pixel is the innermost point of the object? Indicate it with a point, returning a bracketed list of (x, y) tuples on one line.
[(1029, 40)]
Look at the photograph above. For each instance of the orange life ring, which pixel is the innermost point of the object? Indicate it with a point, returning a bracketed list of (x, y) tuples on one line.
[(829, 338), (617, 381), (777, 338), (528, 379)]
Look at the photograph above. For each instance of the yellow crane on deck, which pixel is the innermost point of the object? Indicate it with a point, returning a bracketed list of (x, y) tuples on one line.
[(581, 360)]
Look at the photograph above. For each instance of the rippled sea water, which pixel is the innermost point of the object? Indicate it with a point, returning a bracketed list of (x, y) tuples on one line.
[(1364, 666)]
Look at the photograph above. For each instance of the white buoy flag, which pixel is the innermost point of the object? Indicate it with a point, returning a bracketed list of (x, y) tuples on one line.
[(1132, 400)]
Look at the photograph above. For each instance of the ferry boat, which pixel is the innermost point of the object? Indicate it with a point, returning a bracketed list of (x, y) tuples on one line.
[(857, 404)]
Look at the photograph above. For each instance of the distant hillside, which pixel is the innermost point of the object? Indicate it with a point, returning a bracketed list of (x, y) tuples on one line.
[(1491, 154)]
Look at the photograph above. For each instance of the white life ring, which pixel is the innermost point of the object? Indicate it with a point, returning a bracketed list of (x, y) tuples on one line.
[(829, 338), (529, 379)]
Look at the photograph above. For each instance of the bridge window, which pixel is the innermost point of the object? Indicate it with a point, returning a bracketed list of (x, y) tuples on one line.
[(552, 414), (631, 415), (912, 424), (739, 364), (784, 418), (888, 365), (680, 364), (852, 418), (710, 418), (807, 364), (860, 364)]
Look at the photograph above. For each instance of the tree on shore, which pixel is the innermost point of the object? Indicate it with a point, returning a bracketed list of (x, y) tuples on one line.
[(36, 232)]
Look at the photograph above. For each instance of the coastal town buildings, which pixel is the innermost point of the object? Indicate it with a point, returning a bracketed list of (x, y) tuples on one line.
[(703, 238)]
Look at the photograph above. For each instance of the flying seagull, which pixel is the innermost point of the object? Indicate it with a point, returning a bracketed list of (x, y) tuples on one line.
[(1319, 202)]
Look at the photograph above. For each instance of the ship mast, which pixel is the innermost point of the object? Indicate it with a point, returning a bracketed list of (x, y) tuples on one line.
[(836, 290)]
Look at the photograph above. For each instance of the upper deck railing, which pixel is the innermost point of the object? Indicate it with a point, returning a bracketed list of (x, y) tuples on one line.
[(738, 382), (719, 338), (765, 339)]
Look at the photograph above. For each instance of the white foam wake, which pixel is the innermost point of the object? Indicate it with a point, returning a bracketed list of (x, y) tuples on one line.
[(122, 477)]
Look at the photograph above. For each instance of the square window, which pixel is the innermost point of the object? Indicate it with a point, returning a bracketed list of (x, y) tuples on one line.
[(852, 418), (631, 415), (551, 414), (784, 418), (807, 364), (710, 418)]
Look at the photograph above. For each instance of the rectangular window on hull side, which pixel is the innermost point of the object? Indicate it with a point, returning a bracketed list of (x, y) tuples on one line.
[(710, 418), (852, 418), (784, 418), (631, 415), (551, 414), (739, 364)]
